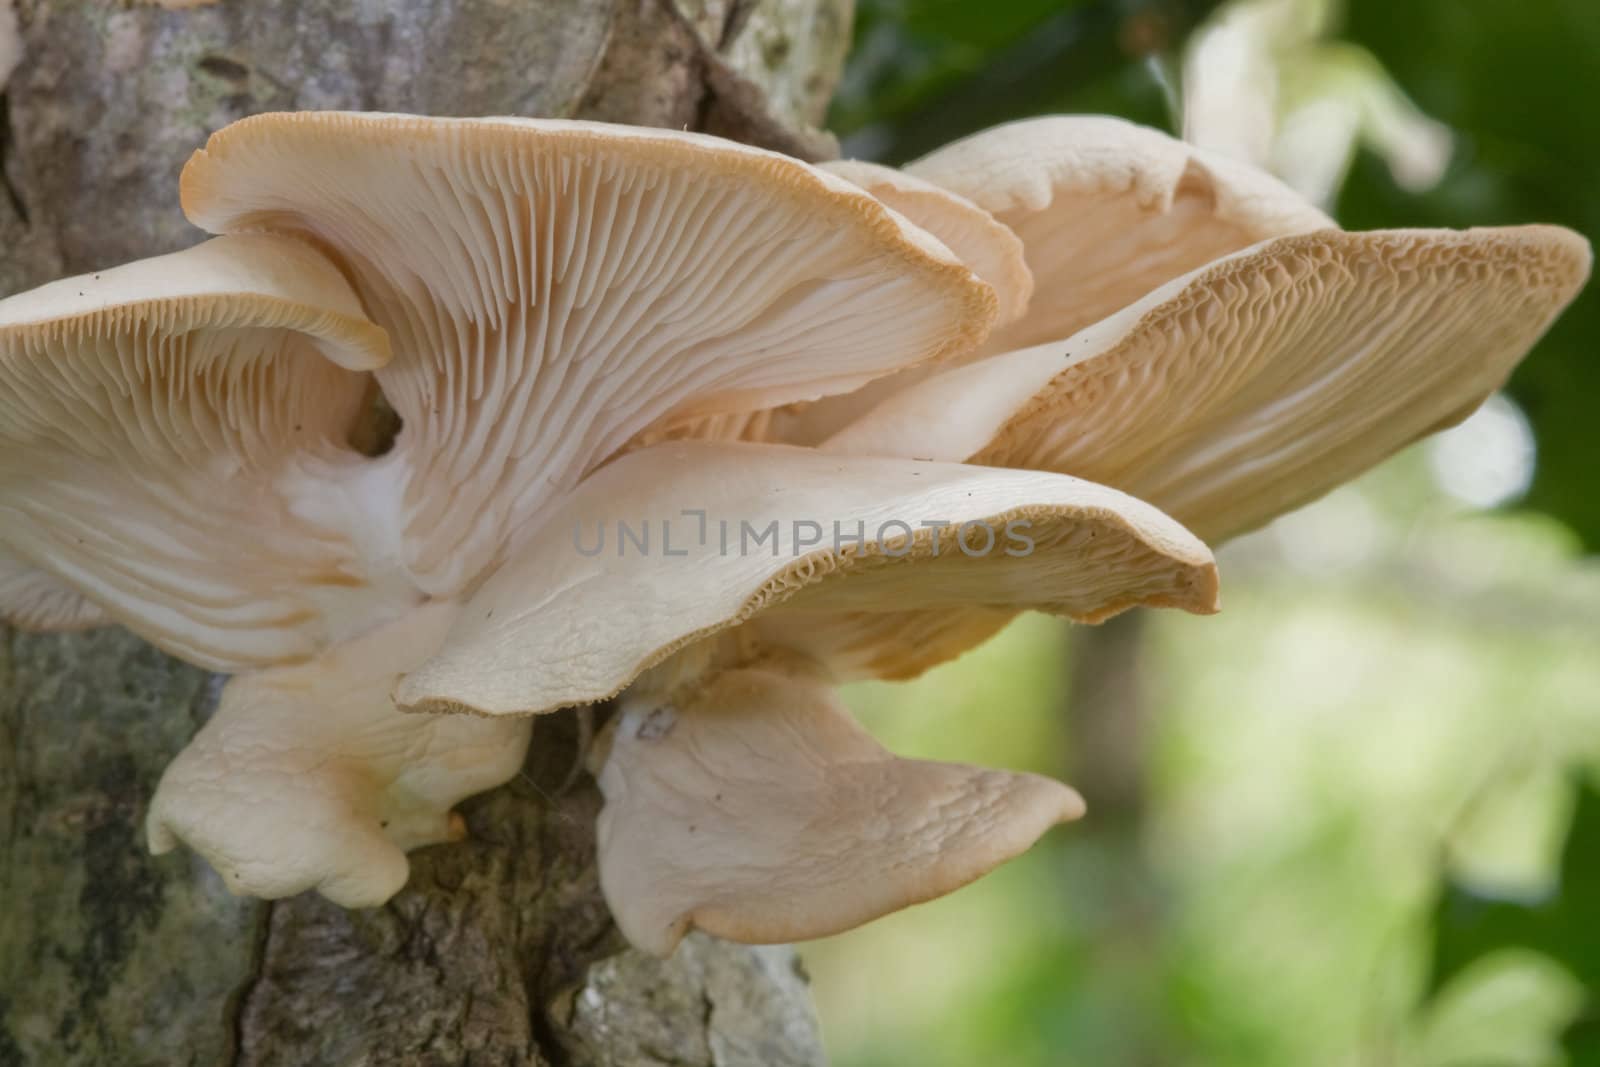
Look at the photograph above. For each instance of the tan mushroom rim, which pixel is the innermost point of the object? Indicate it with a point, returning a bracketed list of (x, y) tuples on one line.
[(1466, 246), (1201, 592), (202, 187), (220, 310)]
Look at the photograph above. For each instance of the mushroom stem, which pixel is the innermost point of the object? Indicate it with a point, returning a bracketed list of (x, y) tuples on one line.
[(755, 808), (308, 777)]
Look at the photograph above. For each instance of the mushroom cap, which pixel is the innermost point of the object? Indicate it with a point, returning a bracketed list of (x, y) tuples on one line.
[(759, 811), (553, 288), (308, 777), (159, 423), (570, 622), (992, 251), (1104, 210), (1260, 382), (1108, 210)]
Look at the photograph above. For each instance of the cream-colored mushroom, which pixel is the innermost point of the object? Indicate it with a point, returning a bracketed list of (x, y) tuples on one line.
[(1108, 210), (1103, 210), (718, 535), (550, 290), (31, 599), (744, 580), (159, 425), (756, 809), (554, 288), (1260, 382), (307, 777), (989, 248)]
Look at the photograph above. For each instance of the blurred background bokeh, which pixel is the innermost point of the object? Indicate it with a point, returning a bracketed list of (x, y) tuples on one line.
[(1355, 818)]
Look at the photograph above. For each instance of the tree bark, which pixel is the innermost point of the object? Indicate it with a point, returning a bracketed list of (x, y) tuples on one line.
[(500, 950)]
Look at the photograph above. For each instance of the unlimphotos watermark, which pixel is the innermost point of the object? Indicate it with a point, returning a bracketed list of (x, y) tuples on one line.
[(678, 537)]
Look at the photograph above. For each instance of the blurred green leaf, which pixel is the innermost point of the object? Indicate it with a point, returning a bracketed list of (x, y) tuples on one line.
[(926, 72), (1518, 82), (1564, 925), (1581, 1042)]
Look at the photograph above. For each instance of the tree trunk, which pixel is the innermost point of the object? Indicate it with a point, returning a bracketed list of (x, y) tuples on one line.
[(500, 950)]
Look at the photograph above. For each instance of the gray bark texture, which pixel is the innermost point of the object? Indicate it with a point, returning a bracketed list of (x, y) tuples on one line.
[(500, 950)]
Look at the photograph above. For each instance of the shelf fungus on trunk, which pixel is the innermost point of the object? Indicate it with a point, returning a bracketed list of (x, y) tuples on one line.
[(544, 315), (187, 446), (740, 796)]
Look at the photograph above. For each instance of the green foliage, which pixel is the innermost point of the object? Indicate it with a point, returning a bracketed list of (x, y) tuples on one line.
[(1518, 82), (1280, 902), (1309, 750), (1470, 925), (926, 72)]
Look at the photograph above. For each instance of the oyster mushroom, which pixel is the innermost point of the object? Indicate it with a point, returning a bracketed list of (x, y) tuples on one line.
[(526, 296), (537, 301), (156, 419), (1103, 210), (740, 796), (553, 288), (990, 248), (1257, 383), (755, 808), (307, 778), (1108, 210), (746, 546)]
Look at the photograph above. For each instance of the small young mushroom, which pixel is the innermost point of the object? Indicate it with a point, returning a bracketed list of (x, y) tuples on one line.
[(307, 778), (1258, 383)]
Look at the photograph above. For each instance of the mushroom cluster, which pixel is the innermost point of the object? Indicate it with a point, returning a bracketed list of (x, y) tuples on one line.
[(457, 422)]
